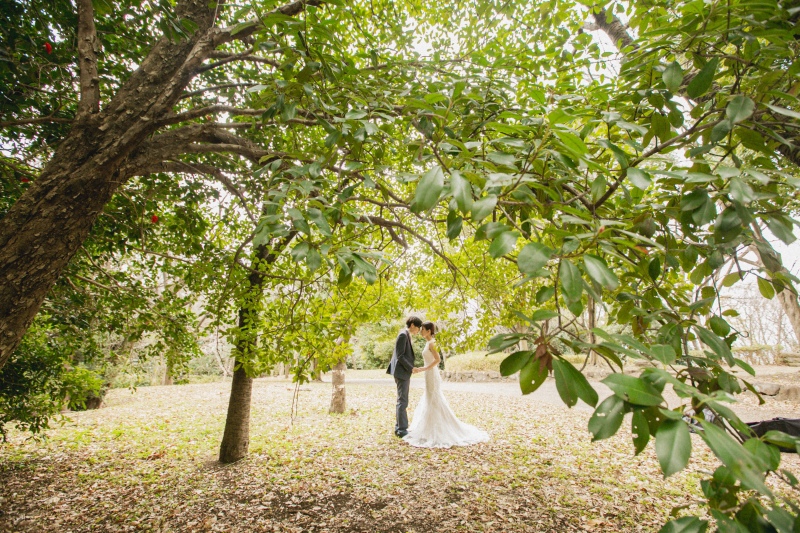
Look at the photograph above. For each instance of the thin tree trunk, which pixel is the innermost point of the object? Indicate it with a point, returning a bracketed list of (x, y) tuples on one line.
[(167, 371), (236, 439), (591, 310), (338, 400)]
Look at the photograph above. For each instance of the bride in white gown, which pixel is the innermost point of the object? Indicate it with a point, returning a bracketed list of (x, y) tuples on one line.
[(434, 424)]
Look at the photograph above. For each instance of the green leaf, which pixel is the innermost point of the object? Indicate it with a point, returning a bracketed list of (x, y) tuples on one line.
[(598, 270), (639, 178), (544, 294), (719, 326), (664, 353), (533, 257), (355, 114), (532, 376), (313, 259), (320, 221), (740, 108), (765, 288), (483, 208), (461, 191), (514, 362), (300, 251), (720, 131), (673, 446), (640, 430), (717, 345), (737, 458), (607, 418), (503, 243), (571, 282), (784, 111), (543, 314), (633, 389), (572, 142), (673, 76), (572, 385), (454, 225), (685, 524), (781, 228), (428, 190), (500, 342), (702, 81)]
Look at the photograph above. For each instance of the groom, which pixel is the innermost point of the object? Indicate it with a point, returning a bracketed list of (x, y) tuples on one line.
[(401, 367)]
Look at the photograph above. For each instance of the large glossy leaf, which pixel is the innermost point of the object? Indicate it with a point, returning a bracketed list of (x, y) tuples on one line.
[(532, 375), (503, 243), (483, 208), (640, 430), (633, 389), (607, 418), (514, 362), (740, 108), (598, 270), (673, 446), (572, 385), (533, 257), (702, 81), (461, 190), (571, 282), (428, 190)]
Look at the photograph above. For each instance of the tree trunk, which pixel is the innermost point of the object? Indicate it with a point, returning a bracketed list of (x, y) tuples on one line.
[(236, 439), (338, 401), (772, 262), (167, 371), (44, 229)]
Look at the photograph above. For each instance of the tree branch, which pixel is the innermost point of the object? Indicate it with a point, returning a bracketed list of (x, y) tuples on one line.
[(41, 120), (88, 45), (616, 30)]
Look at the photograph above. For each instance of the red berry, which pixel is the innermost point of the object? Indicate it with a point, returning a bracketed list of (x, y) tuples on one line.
[(154, 219), (24, 180), (48, 47)]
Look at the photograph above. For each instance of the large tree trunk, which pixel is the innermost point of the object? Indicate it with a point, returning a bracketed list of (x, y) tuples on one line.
[(44, 229), (47, 225)]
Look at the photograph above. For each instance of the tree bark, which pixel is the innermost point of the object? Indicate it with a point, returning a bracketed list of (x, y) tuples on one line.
[(236, 440)]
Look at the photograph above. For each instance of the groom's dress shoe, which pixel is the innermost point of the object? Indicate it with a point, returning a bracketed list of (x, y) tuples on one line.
[(401, 434)]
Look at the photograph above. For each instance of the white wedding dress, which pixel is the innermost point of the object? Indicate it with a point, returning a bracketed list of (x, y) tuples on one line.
[(434, 424)]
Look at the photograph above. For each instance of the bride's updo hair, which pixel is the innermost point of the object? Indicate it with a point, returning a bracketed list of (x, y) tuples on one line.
[(430, 326)]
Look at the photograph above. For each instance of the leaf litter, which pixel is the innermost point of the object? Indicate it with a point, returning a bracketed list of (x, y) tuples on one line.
[(147, 462)]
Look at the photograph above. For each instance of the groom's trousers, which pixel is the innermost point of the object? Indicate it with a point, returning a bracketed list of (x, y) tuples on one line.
[(402, 404)]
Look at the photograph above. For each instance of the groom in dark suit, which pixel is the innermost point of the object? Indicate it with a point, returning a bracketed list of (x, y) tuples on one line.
[(401, 367)]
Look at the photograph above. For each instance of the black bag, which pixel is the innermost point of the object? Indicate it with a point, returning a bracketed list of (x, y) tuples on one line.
[(790, 426)]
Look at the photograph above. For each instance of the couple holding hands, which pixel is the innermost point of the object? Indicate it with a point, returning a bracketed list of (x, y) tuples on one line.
[(434, 425)]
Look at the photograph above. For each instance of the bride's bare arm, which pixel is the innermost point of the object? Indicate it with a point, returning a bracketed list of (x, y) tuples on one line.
[(436, 357)]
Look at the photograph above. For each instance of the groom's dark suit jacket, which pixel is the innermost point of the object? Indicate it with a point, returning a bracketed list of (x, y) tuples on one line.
[(402, 358)]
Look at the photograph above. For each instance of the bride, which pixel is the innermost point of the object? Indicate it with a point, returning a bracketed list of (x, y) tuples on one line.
[(434, 424)]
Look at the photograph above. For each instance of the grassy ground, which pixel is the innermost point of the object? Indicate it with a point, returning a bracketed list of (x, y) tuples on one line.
[(147, 462)]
